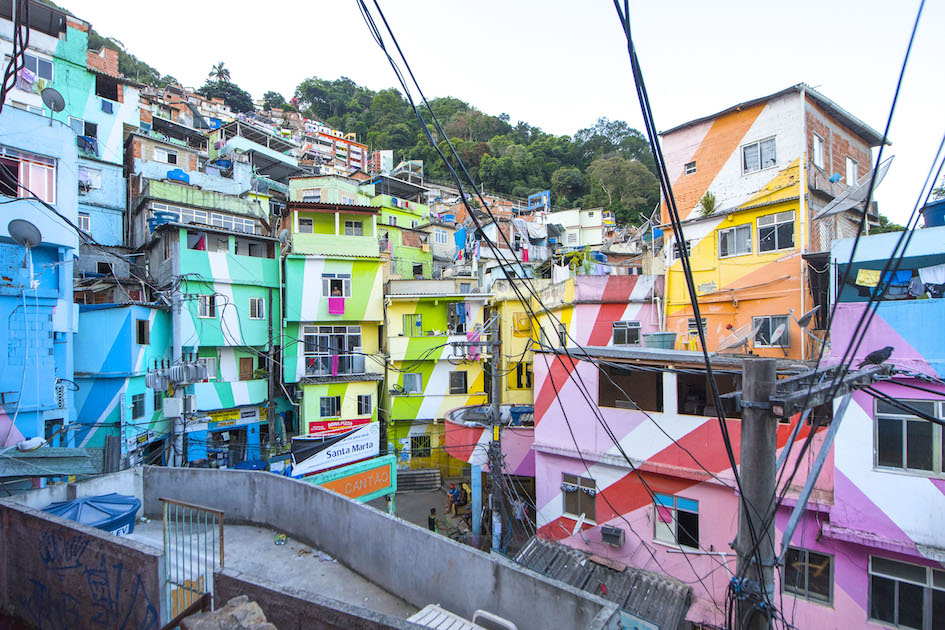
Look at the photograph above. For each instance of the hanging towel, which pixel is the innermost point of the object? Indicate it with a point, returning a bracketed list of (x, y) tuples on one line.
[(933, 275), (334, 365), (336, 305), (867, 277), (559, 274), (525, 255), (461, 312), (459, 237)]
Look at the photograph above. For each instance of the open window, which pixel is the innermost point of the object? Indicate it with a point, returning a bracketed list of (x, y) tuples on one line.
[(106, 87), (628, 388), (694, 395), (143, 330), (336, 284), (418, 270)]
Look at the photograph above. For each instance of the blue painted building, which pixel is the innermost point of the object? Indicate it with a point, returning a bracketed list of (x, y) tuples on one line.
[(37, 314)]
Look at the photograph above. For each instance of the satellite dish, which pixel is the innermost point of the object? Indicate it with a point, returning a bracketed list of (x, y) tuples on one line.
[(857, 193), (739, 338), (284, 236), (53, 99), (805, 319), (24, 233), (579, 525), (777, 334)]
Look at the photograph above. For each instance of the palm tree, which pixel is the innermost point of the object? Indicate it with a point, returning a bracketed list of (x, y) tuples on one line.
[(220, 73)]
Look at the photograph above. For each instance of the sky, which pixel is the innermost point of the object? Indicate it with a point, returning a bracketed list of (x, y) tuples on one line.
[(560, 64)]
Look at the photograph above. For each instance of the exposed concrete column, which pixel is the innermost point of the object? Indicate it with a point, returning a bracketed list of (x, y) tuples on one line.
[(337, 223), (476, 475)]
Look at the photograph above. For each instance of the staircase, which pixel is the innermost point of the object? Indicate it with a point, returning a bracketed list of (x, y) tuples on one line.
[(418, 480)]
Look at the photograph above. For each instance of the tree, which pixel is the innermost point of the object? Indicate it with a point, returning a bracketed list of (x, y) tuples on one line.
[(220, 73), (235, 97), (273, 100), (707, 204), (568, 183), (885, 225)]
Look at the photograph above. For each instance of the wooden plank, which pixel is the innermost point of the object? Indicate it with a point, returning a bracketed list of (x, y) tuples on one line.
[(610, 564)]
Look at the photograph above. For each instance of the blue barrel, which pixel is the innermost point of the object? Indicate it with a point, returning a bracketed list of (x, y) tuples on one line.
[(114, 513), (934, 213)]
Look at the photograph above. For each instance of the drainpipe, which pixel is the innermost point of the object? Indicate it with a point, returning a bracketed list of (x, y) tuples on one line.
[(177, 438), (804, 218)]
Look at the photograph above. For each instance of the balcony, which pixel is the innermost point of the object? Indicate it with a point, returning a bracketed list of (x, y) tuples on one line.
[(334, 245), (334, 365)]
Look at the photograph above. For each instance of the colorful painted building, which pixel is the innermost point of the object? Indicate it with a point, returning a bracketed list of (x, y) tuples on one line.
[(752, 238), (112, 398), (427, 376), (403, 242), (333, 315), (518, 332)]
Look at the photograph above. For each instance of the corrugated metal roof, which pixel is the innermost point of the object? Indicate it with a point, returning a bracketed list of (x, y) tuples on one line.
[(656, 598)]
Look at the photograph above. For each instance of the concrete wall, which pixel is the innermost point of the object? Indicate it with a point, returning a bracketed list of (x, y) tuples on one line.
[(409, 561), (292, 609), (55, 573), (128, 481)]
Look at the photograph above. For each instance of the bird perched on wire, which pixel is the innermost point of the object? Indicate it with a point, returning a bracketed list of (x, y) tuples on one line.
[(877, 357)]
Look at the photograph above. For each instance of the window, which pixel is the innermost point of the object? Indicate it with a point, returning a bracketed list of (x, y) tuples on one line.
[(758, 156), (769, 325), (158, 400), (694, 394), (420, 446), (851, 171), (572, 237), (523, 375), (735, 241), (440, 237), (211, 364), (413, 382), (626, 333), (257, 306), (392, 220), (332, 350), (137, 406), (818, 153), (206, 306), (465, 287), (329, 406), (143, 331), (364, 404), (456, 318), (677, 253), (42, 68), (906, 442), (693, 329), (336, 284), (690, 168), (196, 241), (413, 324), (906, 595), (106, 87), (418, 270), (562, 335), (677, 520), (24, 175), (306, 226), (776, 231), (246, 368), (354, 228), (89, 178), (458, 382), (625, 388), (103, 268), (167, 156), (85, 223), (347, 200), (312, 195), (580, 497), (808, 574)]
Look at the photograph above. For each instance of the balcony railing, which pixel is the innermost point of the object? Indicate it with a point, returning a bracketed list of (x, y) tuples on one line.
[(334, 365)]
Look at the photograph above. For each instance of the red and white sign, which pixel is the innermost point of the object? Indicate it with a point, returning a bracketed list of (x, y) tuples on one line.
[(335, 427)]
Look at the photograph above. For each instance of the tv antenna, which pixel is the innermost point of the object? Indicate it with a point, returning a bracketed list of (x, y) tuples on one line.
[(54, 101)]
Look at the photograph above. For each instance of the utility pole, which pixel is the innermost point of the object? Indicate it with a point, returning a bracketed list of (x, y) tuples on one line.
[(495, 446), (758, 483)]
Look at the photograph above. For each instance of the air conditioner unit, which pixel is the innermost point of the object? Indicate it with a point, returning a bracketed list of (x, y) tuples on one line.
[(612, 535)]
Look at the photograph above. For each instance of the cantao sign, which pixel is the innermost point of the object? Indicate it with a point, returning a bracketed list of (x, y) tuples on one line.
[(363, 481), (361, 443)]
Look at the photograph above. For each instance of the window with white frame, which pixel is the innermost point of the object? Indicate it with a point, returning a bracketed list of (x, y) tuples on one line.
[(312, 195), (908, 443), (776, 231), (347, 200), (572, 237), (818, 151), (808, 574), (580, 497), (163, 154), (677, 520), (89, 178), (332, 350), (257, 308), (364, 404), (236, 224), (206, 306), (692, 328), (768, 326), (42, 68), (24, 174), (85, 222), (137, 406), (354, 228), (191, 215), (336, 284), (677, 253), (690, 167), (735, 241), (458, 382), (906, 595), (211, 364), (626, 333), (329, 406), (392, 220), (759, 155), (413, 382), (851, 171), (441, 237), (306, 226)]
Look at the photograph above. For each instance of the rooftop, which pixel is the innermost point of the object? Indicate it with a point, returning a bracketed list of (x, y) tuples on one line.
[(658, 355)]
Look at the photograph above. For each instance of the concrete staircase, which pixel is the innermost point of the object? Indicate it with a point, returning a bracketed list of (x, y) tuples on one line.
[(418, 480)]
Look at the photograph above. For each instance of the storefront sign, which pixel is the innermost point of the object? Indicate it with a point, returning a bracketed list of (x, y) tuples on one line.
[(335, 427), (237, 417), (359, 444), (363, 481), (141, 439)]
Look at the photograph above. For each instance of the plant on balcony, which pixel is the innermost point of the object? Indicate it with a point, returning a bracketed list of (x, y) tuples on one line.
[(707, 205)]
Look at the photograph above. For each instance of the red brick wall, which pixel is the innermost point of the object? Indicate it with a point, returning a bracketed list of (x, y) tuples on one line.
[(839, 142), (105, 60)]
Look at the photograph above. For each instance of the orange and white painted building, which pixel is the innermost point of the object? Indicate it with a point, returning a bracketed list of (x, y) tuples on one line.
[(756, 258)]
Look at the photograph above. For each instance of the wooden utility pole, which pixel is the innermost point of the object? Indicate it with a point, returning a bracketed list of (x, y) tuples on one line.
[(495, 447), (758, 484)]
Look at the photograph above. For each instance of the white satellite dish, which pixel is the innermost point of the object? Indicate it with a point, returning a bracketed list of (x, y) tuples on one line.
[(777, 334), (739, 338), (579, 525), (806, 318), (53, 100), (284, 236), (857, 193), (29, 236)]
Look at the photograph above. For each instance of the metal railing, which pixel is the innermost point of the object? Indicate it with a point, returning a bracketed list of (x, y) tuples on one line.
[(193, 549)]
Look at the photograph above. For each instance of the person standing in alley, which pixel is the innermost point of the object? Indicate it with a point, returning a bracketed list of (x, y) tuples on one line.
[(431, 520)]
